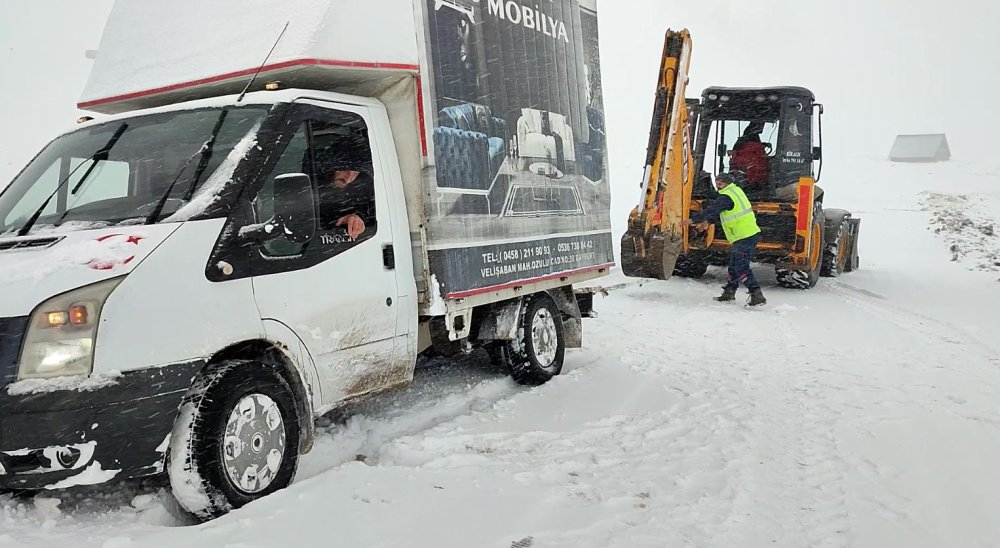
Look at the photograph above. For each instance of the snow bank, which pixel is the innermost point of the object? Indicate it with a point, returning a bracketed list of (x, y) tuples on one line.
[(972, 235)]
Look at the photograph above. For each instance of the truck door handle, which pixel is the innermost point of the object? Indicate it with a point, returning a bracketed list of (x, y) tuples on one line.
[(388, 257)]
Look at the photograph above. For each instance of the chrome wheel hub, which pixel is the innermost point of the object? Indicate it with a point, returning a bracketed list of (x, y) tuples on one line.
[(254, 443), (544, 338)]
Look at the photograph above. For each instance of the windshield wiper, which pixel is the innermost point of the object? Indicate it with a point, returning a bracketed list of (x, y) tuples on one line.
[(205, 152), (98, 156)]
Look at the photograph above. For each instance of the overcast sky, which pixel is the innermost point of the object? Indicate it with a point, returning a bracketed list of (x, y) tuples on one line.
[(880, 67)]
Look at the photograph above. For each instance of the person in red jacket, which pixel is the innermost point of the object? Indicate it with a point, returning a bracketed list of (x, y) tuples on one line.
[(749, 156)]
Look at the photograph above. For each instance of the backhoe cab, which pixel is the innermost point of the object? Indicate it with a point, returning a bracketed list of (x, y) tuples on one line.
[(771, 138)]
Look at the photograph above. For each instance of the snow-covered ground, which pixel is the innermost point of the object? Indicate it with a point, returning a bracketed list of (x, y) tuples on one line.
[(860, 413)]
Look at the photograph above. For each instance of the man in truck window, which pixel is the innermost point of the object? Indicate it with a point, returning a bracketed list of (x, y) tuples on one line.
[(733, 210), (347, 199), (750, 157)]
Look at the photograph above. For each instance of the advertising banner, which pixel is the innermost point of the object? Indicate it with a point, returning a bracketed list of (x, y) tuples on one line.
[(519, 186)]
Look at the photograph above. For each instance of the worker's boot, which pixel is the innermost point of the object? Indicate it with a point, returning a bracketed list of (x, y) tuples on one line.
[(756, 297), (728, 294)]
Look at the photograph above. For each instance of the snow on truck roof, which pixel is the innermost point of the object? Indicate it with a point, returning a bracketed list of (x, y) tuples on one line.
[(155, 53)]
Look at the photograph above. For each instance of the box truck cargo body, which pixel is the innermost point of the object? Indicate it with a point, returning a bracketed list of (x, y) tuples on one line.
[(239, 241)]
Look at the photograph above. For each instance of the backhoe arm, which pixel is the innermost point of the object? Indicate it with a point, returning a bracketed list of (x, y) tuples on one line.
[(656, 234)]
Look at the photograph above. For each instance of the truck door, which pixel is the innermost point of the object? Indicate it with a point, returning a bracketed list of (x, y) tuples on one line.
[(334, 291)]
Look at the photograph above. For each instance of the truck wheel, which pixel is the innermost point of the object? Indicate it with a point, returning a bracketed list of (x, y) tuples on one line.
[(836, 253), (236, 439), (536, 355), (688, 267), (806, 279)]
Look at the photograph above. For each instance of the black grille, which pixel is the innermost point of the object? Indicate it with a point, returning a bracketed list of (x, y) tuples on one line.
[(11, 334), (776, 228), (8, 245)]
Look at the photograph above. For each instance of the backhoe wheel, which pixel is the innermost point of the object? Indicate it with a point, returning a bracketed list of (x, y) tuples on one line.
[(688, 267), (536, 354), (837, 252), (806, 279), (236, 439)]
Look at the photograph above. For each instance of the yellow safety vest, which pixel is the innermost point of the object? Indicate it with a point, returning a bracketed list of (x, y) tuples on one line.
[(739, 222)]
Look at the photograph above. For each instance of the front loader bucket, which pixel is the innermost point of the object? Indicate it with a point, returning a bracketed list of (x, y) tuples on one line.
[(659, 258)]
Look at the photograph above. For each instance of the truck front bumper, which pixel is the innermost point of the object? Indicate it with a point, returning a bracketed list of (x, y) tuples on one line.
[(54, 438)]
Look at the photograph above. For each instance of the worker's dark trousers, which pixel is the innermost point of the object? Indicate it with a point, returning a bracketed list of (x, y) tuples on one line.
[(739, 264)]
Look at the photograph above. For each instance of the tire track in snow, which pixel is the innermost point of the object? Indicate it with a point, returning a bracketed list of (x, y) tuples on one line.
[(709, 428), (441, 392), (792, 471), (919, 342), (735, 427), (823, 513), (917, 321)]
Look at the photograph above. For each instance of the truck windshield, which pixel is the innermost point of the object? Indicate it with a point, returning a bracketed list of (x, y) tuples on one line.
[(128, 171)]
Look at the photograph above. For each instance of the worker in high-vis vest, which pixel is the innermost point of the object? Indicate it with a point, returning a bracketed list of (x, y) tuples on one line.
[(732, 209)]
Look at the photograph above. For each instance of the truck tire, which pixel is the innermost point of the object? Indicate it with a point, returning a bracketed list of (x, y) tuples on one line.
[(688, 267), (236, 439), (806, 279), (536, 354), (837, 252)]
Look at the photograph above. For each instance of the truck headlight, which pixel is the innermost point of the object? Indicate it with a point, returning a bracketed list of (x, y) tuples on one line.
[(62, 331)]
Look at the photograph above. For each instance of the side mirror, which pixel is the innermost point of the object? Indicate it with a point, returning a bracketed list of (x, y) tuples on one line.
[(817, 153), (722, 150), (295, 204), (294, 212)]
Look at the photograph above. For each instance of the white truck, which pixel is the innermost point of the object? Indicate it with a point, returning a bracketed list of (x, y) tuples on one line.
[(193, 274)]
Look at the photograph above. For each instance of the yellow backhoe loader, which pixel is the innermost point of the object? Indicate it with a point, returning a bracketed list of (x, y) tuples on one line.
[(691, 141)]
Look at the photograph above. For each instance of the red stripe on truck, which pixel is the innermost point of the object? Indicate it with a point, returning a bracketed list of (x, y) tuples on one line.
[(246, 72), (420, 115), (805, 207), (492, 288)]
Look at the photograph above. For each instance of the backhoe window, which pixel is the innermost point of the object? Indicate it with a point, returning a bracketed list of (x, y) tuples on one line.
[(739, 132), (750, 147)]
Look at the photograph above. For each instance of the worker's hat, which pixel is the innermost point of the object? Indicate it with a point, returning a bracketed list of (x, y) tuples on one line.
[(728, 178)]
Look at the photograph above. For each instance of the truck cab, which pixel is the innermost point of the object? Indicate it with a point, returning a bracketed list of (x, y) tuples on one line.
[(216, 226)]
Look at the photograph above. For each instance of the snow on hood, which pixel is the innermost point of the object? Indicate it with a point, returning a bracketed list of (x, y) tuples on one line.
[(31, 275)]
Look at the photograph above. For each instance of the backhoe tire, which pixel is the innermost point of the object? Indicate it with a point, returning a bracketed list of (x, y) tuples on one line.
[(536, 353), (688, 267), (806, 279), (837, 252), (236, 439)]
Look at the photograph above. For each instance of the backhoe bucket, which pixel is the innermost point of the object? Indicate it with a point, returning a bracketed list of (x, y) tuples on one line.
[(633, 265), (657, 260)]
